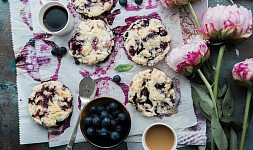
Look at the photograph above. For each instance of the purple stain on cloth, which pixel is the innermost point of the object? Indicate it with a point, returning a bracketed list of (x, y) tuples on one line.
[(58, 131), (131, 7), (26, 18), (151, 5)]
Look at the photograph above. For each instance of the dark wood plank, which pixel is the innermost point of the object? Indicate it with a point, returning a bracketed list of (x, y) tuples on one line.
[(9, 132)]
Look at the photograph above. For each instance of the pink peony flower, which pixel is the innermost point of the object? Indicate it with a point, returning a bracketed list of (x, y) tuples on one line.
[(226, 23), (243, 72), (173, 3), (187, 58)]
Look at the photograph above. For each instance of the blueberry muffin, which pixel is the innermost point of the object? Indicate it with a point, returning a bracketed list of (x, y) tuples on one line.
[(151, 92), (147, 41), (91, 8), (50, 103), (92, 42)]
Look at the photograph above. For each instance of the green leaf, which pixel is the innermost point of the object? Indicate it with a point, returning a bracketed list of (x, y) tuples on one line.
[(223, 91), (123, 67), (202, 147), (233, 140), (200, 96), (196, 103), (218, 134), (230, 121), (219, 106), (208, 71), (218, 43), (228, 106)]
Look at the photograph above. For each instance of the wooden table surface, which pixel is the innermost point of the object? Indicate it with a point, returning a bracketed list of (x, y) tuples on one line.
[(9, 132)]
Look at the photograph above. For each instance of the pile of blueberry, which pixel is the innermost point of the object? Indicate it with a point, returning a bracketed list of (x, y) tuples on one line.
[(106, 122)]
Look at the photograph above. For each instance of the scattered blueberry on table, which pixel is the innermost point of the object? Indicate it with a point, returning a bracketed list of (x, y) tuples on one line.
[(116, 79), (138, 2), (32, 42), (62, 51), (55, 51), (123, 2)]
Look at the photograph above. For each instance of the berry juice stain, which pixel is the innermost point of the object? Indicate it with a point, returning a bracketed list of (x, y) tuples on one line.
[(55, 18), (151, 5), (26, 18)]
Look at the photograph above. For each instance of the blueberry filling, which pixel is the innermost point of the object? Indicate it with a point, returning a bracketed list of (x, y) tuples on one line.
[(134, 99), (163, 45), (125, 36), (163, 32), (44, 103), (139, 50), (75, 45), (30, 101), (144, 92), (159, 86), (145, 23), (131, 50), (94, 43), (150, 36), (41, 115)]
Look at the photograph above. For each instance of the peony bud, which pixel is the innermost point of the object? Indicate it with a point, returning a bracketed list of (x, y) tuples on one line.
[(187, 58), (243, 72), (173, 3), (226, 23)]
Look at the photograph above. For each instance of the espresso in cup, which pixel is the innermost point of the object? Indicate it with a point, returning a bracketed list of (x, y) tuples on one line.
[(55, 18), (159, 136)]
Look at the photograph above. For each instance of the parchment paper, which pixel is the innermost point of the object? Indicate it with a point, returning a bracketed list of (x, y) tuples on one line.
[(37, 64)]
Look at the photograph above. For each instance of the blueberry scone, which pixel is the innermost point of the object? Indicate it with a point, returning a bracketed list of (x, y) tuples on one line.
[(50, 103), (92, 42), (92, 8), (147, 41), (151, 92)]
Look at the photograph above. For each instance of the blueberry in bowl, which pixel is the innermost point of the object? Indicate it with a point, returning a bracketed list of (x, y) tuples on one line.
[(105, 122)]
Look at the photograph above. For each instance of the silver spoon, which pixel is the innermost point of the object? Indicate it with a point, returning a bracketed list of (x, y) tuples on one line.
[(87, 90)]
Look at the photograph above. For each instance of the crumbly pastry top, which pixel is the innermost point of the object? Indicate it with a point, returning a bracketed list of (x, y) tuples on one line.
[(92, 42), (147, 41), (151, 92), (91, 8), (50, 103)]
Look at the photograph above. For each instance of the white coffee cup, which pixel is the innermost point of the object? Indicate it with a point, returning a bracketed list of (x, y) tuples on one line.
[(66, 29), (169, 127)]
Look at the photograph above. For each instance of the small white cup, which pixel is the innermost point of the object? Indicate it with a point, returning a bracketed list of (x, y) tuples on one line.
[(145, 132), (67, 28)]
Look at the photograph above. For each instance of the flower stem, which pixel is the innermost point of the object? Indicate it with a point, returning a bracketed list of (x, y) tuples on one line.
[(217, 71), (209, 89), (213, 99), (246, 114), (193, 14)]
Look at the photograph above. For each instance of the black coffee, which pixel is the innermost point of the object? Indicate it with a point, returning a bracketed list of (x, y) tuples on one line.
[(55, 18)]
